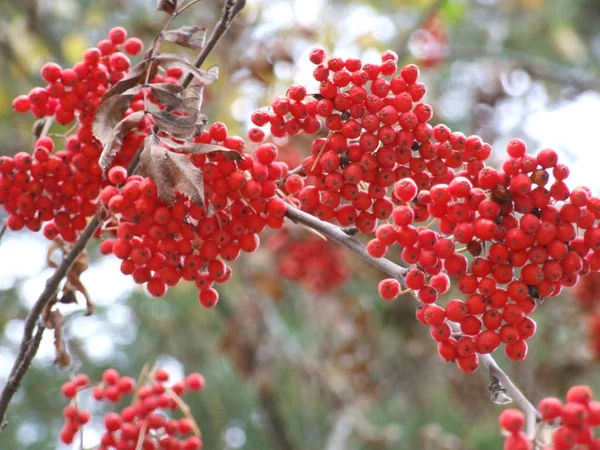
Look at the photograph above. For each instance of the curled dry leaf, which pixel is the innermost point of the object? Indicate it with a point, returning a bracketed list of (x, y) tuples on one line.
[(176, 125), (112, 147), (168, 6), (54, 321), (134, 77), (192, 97), (73, 283), (188, 36), (171, 172), (110, 112), (205, 149), (167, 94), (203, 77)]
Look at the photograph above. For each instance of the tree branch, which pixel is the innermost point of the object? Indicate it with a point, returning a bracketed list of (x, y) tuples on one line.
[(29, 346), (230, 10), (335, 233)]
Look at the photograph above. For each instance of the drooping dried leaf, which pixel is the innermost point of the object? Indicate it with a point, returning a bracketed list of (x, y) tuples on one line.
[(205, 149), (54, 321), (200, 124), (188, 178), (168, 6), (192, 97), (168, 95), (204, 77), (171, 172), (153, 164), (112, 147), (177, 126), (110, 112), (73, 283), (135, 76), (188, 36)]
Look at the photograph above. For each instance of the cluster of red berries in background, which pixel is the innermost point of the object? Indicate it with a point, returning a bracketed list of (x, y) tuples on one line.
[(59, 186), (311, 261), (587, 294), (383, 168), (572, 424), (147, 419)]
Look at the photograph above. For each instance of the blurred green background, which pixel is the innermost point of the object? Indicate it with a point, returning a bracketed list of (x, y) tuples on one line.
[(287, 367)]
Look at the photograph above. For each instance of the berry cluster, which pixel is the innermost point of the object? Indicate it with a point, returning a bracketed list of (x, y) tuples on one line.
[(383, 162), (60, 186), (144, 420), (572, 423), (160, 244), (587, 294), (309, 260)]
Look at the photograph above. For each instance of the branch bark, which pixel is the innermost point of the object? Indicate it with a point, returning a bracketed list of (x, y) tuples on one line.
[(392, 269)]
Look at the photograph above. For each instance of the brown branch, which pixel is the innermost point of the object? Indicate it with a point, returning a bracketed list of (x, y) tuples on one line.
[(18, 372), (30, 345), (230, 10), (335, 233)]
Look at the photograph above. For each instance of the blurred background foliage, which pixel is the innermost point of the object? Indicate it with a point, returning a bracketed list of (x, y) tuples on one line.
[(322, 363)]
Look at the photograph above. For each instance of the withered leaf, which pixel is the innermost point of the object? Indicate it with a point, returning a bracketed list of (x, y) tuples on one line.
[(171, 172), (112, 147), (177, 126), (188, 178), (135, 76), (167, 94), (109, 115), (168, 6), (204, 149), (188, 36), (192, 97), (153, 164), (73, 283), (204, 77), (55, 321), (200, 124)]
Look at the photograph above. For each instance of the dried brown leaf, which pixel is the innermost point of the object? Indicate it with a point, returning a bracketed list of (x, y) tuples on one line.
[(177, 126), (171, 172), (203, 77), (192, 97), (112, 147), (188, 36), (204, 149), (55, 321), (168, 96), (188, 178), (135, 76), (73, 283), (200, 124), (110, 112), (168, 6), (153, 164)]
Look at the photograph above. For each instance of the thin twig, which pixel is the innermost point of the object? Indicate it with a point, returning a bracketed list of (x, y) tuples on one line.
[(335, 233), (230, 10), (28, 346)]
